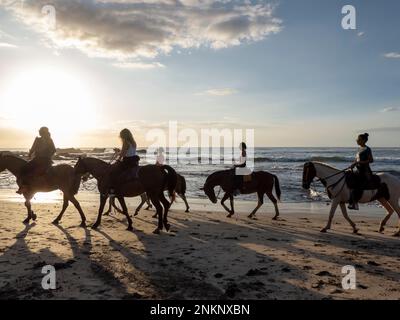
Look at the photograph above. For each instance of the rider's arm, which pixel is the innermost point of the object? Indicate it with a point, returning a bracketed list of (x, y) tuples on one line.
[(33, 148), (124, 150), (52, 147)]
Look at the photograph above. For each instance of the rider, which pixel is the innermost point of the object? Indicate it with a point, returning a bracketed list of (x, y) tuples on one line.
[(160, 159), (42, 152), (238, 179), (364, 173), (127, 159)]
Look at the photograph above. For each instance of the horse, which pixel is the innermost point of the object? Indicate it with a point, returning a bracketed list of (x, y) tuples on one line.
[(180, 190), (262, 182), (61, 177), (335, 183), (152, 180)]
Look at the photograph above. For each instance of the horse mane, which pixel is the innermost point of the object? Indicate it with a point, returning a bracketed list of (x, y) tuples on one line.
[(215, 174), (11, 155), (325, 165)]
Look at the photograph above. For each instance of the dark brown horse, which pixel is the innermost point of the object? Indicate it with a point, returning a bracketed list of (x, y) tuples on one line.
[(151, 180), (61, 177), (261, 183), (180, 190)]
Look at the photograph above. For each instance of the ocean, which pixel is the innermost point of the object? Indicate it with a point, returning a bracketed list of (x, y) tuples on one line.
[(286, 163)]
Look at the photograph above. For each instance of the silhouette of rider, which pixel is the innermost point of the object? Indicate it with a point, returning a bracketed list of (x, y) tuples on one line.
[(41, 153), (127, 159), (363, 175), (238, 179)]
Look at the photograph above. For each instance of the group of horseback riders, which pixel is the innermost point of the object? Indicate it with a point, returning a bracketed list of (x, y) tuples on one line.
[(43, 150)]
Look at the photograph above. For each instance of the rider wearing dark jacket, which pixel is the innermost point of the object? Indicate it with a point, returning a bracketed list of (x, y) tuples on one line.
[(364, 173), (41, 153)]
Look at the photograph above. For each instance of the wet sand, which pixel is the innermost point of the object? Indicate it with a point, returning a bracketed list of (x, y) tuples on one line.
[(205, 256)]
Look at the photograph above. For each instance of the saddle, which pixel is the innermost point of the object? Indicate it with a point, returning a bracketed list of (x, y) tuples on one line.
[(356, 182)]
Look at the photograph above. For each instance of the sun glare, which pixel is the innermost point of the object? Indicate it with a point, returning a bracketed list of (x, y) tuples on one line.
[(50, 97)]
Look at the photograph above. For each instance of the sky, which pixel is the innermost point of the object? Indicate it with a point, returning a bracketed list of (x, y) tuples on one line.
[(285, 68)]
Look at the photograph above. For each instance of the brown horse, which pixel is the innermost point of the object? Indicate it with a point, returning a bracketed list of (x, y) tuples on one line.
[(151, 180), (180, 190), (61, 177), (261, 183)]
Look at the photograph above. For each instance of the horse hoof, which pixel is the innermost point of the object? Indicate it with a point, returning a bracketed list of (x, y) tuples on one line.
[(56, 222), (106, 214), (130, 228), (155, 216), (95, 226), (324, 230), (250, 217), (34, 217), (26, 221), (157, 231), (397, 234), (83, 224), (167, 226), (275, 218), (136, 213), (355, 231), (381, 229), (229, 216), (187, 211)]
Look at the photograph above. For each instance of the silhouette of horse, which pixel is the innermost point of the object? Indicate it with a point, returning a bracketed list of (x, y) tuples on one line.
[(61, 177), (261, 183), (180, 190), (152, 180)]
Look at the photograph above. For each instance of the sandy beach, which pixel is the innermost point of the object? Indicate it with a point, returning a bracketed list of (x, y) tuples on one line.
[(205, 256)]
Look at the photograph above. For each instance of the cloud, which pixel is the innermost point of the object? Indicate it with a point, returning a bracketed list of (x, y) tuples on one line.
[(391, 109), (7, 45), (219, 92), (392, 55), (138, 65), (126, 29)]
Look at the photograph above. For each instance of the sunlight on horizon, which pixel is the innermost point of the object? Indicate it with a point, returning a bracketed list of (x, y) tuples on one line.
[(52, 97)]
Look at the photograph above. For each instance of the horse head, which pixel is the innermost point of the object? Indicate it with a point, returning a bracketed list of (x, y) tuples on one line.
[(309, 173), (209, 189)]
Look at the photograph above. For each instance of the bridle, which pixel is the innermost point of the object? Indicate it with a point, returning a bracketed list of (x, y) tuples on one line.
[(333, 185)]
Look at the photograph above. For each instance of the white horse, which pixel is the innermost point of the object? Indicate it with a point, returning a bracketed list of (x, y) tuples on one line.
[(334, 181)]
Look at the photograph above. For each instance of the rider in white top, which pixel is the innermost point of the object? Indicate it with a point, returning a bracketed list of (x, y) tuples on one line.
[(160, 159)]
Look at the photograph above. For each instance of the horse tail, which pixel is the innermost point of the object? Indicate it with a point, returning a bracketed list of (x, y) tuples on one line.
[(277, 187), (182, 184), (172, 179)]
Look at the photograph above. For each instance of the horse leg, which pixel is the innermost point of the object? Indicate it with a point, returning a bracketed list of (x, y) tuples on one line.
[(143, 201), (159, 209), (232, 204), (260, 203), (346, 216), (111, 203), (185, 201), (64, 208), (78, 207), (389, 214), (334, 206), (275, 202), (395, 204), (125, 212), (149, 205), (103, 200), (224, 198), (28, 206), (166, 205)]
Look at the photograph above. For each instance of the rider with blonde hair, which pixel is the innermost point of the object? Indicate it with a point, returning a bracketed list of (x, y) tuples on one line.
[(127, 159)]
